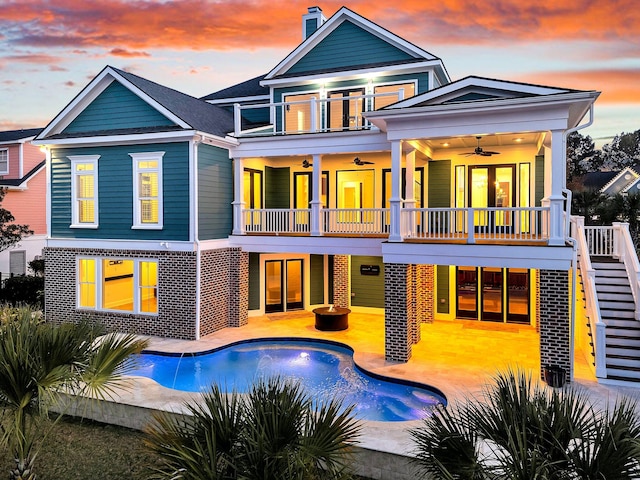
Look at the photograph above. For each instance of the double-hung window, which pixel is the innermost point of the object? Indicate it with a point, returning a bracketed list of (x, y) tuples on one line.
[(4, 161), (147, 189), (117, 284), (84, 191)]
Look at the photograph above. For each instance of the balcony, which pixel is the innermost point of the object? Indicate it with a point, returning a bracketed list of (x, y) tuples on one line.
[(513, 225), (313, 114)]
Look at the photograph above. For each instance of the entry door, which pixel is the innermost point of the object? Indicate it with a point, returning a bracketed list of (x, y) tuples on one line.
[(302, 196), (467, 293), (283, 285), (491, 294), (492, 186), (345, 114)]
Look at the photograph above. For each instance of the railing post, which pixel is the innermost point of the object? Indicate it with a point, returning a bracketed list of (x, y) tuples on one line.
[(238, 201), (471, 234), (618, 250), (314, 114), (237, 119), (395, 234)]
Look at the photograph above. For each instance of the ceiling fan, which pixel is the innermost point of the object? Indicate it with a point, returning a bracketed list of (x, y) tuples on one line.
[(306, 164), (480, 151), (357, 161)]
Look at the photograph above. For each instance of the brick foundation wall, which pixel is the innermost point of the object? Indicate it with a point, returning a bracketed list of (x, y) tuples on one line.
[(176, 293), (398, 331), (554, 321), (341, 290), (224, 289)]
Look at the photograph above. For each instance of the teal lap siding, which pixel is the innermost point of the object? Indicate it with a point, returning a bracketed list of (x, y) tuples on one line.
[(215, 192), (367, 290), (316, 274), (277, 187), (115, 193)]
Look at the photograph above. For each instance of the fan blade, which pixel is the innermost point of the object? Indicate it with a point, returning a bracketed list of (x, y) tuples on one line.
[(491, 153)]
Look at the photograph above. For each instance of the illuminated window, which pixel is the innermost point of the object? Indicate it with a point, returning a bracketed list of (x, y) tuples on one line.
[(4, 161), (115, 284), (84, 190), (147, 189), (409, 90), (297, 112)]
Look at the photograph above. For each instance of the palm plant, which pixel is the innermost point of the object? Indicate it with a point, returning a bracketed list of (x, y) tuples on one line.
[(274, 432), (39, 362), (522, 430)]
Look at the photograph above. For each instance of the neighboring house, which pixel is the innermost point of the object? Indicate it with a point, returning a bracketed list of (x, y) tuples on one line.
[(354, 173), (23, 174), (624, 181)]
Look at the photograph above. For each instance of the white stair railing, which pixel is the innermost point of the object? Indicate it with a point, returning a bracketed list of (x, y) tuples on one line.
[(588, 274), (626, 252)]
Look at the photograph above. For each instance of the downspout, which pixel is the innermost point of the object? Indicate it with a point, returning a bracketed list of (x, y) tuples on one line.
[(574, 244), (193, 173)]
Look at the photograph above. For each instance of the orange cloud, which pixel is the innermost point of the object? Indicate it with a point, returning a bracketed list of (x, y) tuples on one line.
[(619, 86), (121, 52), (232, 24)]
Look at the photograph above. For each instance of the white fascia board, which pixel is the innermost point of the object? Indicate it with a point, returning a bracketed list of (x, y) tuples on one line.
[(126, 245), (379, 71), (25, 183), (159, 137), (231, 100), (311, 245), (310, 144), (330, 25), (216, 141), (506, 256), (215, 244), (17, 141)]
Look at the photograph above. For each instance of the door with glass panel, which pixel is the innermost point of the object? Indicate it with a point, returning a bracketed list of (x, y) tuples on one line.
[(283, 285), (344, 109), (467, 292), (302, 195), (490, 187)]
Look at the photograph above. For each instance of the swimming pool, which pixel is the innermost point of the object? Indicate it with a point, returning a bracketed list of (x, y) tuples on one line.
[(325, 370)]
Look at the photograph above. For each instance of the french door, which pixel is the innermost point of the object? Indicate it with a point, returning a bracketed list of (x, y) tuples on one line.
[(283, 285), (345, 114), (492, 186)]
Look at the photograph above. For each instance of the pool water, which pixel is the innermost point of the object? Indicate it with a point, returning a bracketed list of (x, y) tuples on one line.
[(325, 370)]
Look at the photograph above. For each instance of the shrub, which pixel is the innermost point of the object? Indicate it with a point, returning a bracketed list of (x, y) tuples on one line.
[(23, 290)]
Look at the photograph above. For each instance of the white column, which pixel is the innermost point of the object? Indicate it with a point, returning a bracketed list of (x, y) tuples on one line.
[(316, 202), (555, 172), (409, 181), (395, 201), (238, 200)]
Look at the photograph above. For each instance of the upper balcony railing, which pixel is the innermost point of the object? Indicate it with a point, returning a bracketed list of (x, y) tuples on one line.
[(457, 225), (311, 115)]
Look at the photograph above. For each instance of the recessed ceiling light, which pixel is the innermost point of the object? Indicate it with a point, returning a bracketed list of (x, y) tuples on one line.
[(445, 144), (519, 139)]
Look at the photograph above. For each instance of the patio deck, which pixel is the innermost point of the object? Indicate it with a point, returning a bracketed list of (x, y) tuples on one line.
[(458, 357)]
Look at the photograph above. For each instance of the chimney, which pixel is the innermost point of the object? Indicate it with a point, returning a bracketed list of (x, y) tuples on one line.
[(312, 21)]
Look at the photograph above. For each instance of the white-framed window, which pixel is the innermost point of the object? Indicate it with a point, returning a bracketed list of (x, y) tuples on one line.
[(4, 161), (147, 190), (117, 284), (84, 191)]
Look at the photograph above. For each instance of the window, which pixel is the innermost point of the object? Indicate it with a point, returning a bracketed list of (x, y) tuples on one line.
[(17, 262), (4, 161), (297, 112), (84, 191), (115, 284), (147, 189)]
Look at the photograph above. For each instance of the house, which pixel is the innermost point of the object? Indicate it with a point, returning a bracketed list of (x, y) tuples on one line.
[(611, 183), (354, 173), (23, 175)]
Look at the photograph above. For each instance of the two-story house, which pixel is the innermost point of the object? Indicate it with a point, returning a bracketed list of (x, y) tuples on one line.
[(23, 176), (354, 173)]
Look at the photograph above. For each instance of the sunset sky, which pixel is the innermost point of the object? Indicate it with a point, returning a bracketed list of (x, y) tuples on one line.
[(49, 50)]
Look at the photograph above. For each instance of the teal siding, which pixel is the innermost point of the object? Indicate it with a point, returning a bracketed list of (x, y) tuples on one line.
[(348, 46), (439, 184), (276, 187), (116, 108), (316, 273), (367, 290), (442, 288), (469, 97), (539, 188), (215, 192), (254, 281), (115, 193)]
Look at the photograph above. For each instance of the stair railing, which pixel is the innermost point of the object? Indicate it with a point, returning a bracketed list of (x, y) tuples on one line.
[(626, 252), (588, 274)]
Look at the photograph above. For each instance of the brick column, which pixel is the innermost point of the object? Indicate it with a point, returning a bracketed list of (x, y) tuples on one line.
[(239, 285), (425, 291), (397, 323), (341, 290), (412, 303), (554, 320)]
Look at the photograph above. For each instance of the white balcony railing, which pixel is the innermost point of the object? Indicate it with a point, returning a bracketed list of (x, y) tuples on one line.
[(600, 240), (312, 115), (516, 224)]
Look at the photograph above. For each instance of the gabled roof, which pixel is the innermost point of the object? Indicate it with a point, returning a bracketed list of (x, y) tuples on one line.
[(346, 15), (248, 88), (11, 136), (621, 181), (19, 182), (188, 113), (597, 180), (477, 89)]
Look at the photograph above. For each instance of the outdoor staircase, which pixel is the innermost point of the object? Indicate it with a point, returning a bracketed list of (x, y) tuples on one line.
[(617, 310)]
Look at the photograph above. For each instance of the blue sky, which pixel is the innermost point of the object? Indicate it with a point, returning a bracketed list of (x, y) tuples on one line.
[(49, 50)]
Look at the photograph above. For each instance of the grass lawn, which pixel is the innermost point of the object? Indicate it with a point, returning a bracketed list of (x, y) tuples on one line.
[(81, 450)]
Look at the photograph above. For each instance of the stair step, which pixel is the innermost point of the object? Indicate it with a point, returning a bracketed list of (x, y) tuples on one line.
[(623, 332), (622, 378), (599, 266), (602, 274), (616, 314), (627, 372), (621, 341), (622, 351), (622, 361), (616, 306), (618, 297), (614, 288)]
